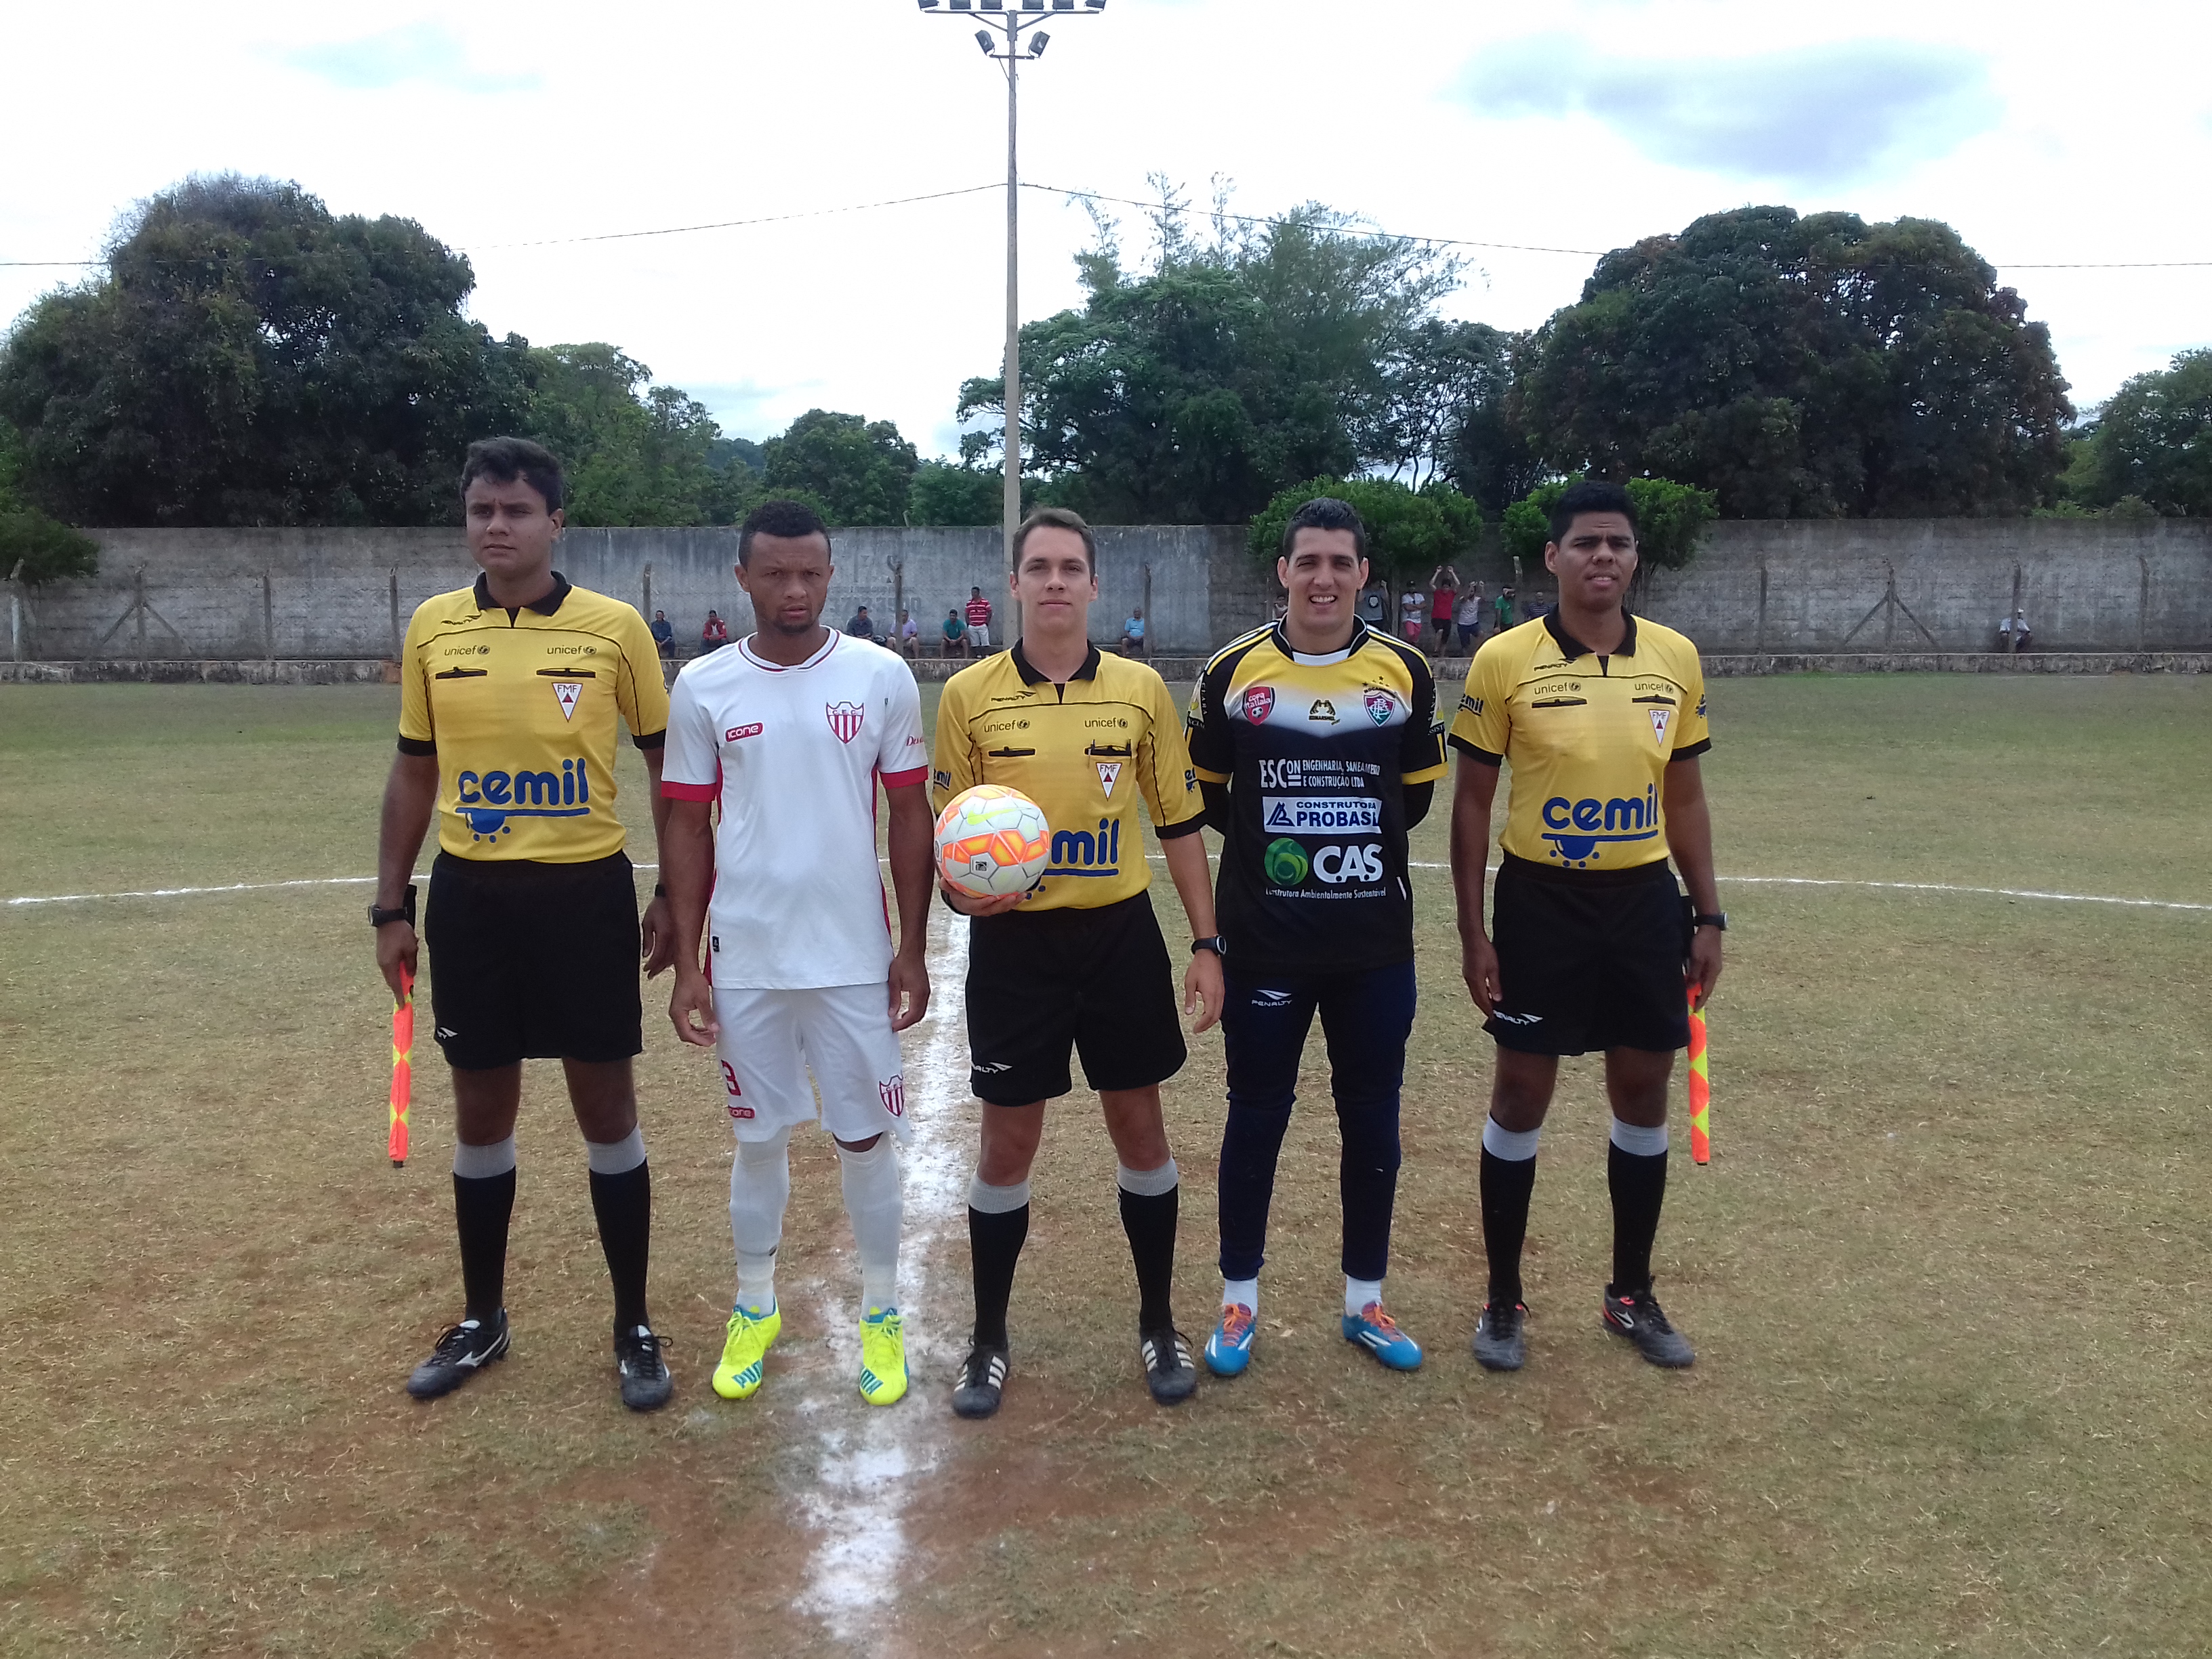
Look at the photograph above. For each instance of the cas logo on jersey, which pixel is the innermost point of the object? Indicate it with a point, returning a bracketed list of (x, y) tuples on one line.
[(845, 719), (1259, 703), (1381, 704)]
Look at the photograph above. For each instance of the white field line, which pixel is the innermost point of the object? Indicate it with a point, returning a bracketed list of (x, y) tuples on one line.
[(1755, 881), (871, 1459)]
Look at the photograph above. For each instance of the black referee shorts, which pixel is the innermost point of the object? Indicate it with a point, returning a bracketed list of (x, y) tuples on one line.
[(1098, 981), (532, 961), (1588, 959)]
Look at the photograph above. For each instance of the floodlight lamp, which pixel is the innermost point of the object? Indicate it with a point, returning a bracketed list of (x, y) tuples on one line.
[(995, 5), (1063, 5), (1038, 42), (983, 40), (926, 5), (1032, 5), (1095, 5)]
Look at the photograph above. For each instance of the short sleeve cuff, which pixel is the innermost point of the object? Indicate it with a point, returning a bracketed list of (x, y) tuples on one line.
[(1206, 776), (673, 791), (1177, 831), (1690, 751), (1426, 775), (420, 748), (1473, 752), (651, 739), (906, 779)]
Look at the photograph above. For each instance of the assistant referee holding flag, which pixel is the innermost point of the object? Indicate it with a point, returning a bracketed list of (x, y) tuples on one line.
[(1078, 962), (510, 692), (1602, 716)]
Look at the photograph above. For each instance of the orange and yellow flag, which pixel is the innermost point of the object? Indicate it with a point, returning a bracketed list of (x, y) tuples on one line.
[(403, 1065)]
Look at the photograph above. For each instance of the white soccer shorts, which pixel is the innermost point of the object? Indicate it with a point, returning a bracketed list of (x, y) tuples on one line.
[(978, 638), (771, 1040)]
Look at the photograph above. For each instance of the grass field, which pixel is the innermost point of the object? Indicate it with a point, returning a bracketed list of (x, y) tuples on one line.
[(1942, 1271)]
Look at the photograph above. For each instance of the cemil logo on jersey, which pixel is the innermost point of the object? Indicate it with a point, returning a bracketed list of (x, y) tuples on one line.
[(487, 800), (845, 719), (1576, 827), (1259, 703), (1080, 853)]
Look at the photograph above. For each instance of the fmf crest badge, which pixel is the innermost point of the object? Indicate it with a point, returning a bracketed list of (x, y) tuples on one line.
[(565, 692), (1659, 719), (1110, 774)]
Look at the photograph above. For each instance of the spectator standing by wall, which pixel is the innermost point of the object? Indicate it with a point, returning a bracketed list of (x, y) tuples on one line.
[(714, 634), (1411, 619), (979, 622), (1443, 602), (1373, 605), (1506, 607), (1469, 617)]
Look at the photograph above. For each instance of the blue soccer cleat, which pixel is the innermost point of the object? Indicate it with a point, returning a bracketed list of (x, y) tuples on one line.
[(1376, 1331), (1229, 1350)]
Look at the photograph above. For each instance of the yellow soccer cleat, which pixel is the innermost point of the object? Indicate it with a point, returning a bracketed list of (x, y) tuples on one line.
[(882, 1357), (751, 1335)]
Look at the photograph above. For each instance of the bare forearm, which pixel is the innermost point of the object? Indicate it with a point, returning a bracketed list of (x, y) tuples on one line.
[(1193, 881), (1690, 838), (1476, 790), (660, 805), (410, 792), (913, 856), (687, 864)]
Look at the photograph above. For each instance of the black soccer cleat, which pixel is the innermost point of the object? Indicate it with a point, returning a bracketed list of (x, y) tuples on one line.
[(983, 1380), (1501, 1337), (645, 1383), (1639, 1318), (461, 1352), (1168, 1369)]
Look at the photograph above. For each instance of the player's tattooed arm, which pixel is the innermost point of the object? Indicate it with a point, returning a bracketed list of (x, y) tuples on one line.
[(687, 864), (1473, 794)]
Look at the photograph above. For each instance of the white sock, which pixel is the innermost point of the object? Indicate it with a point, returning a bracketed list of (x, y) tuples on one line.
[(1358, 1292), (1244, 1293), (760, 1188), (872, 1202)]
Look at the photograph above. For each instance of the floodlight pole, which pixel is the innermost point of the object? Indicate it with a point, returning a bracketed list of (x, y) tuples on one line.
[(1009, 18)]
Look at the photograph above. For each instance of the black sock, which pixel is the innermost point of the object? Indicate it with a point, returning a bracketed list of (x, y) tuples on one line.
[(1150, 1221), (1506, 1184), (1639, 1186), (482, 1207), (994, 1245), (624, 1204)]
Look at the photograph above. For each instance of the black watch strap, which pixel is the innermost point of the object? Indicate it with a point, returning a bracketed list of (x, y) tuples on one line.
[(1212, 942), (1715, 919), (379, 917)]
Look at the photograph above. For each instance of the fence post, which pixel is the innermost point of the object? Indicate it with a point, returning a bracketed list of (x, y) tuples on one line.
[(2143, 606), (648, 593), (1889, 610), (16, 613), (1144, 645), (1759, 643), (898, 601), (268, 617), (398, 639), (2012, 634), (139, 606)]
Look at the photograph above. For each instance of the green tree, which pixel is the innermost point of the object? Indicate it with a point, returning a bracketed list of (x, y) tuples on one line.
[(943, 493), (1409, 531), (1670, 519), (635, 453), (1440, 380), (1241, 361), (861, 470), (2153, 441), (36, 549), (247, 357), (1809, 366)]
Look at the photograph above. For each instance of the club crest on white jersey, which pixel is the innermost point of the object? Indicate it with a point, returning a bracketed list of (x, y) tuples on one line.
[(844, 719)]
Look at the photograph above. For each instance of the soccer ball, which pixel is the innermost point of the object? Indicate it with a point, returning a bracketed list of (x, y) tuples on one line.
[(992, 839)]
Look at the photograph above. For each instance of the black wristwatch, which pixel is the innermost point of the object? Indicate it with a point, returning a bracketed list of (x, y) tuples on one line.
[(1717, 919), (379, 918), (660, 889), (1212, 942)]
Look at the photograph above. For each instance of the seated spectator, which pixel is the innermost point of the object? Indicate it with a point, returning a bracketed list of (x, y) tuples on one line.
[(862, 627), (2014, 632), (1132, 635), (909, 636), (714, 634), (954, 635), (663, 636)]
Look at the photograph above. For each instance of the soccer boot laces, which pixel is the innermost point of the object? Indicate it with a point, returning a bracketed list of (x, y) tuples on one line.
[(645, 1382), (1639, 1317), (1168, 1370), (1373, 1330), (744, 1350), (460, 1353), (1501, 1339), (1229, 1350), (983, 1380), (882, 1357)]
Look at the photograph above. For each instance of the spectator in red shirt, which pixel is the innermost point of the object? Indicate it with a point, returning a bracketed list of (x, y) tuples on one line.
[(979, 621), (1443, 599), (715, 635)]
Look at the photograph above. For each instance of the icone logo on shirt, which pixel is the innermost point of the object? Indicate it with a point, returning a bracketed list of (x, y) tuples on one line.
[(489, 799), (735, 732), (1576, 827)]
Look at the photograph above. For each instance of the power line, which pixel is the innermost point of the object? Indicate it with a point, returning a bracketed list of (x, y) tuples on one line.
[(1339, 230), (733, 224)]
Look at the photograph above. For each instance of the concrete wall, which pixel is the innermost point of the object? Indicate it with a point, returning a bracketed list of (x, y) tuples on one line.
[(2087, 585)]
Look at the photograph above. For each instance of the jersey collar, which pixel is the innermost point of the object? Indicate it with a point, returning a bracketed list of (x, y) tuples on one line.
[(746, 651), (1033, 677), (544, 607), (1574, 648), (1360, 634)]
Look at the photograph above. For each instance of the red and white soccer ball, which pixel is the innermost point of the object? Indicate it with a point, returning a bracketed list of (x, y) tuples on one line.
[(992, 839)]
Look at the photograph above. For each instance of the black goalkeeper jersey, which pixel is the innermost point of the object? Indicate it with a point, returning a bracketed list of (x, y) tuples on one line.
[(1315, 751)]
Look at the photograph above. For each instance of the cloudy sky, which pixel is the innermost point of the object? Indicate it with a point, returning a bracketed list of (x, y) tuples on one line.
[(2045, 135)]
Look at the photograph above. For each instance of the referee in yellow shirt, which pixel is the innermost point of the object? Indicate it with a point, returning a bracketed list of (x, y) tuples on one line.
[(1600, 714), (1079, 963), (510, 693)]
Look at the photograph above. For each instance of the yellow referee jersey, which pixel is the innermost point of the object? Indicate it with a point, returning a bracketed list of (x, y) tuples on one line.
[(519, 708), (1589, 738), (1084, 752)]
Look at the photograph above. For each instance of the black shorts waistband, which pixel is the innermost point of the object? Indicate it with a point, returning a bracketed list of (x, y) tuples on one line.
[(1636, 876), (525, 869), (1073, 916)]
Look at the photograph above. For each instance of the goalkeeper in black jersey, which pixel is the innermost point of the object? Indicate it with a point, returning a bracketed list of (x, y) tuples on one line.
[(1316, 743)]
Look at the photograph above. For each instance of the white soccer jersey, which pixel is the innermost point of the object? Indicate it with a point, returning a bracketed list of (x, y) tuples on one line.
[(793, 755)]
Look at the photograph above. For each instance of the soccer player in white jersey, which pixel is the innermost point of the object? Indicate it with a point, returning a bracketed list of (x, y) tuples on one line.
[(790, 734)]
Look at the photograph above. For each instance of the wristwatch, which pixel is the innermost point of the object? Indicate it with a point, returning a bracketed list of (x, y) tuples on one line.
[(1717, 919), (1212, 942), (379, 917)]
